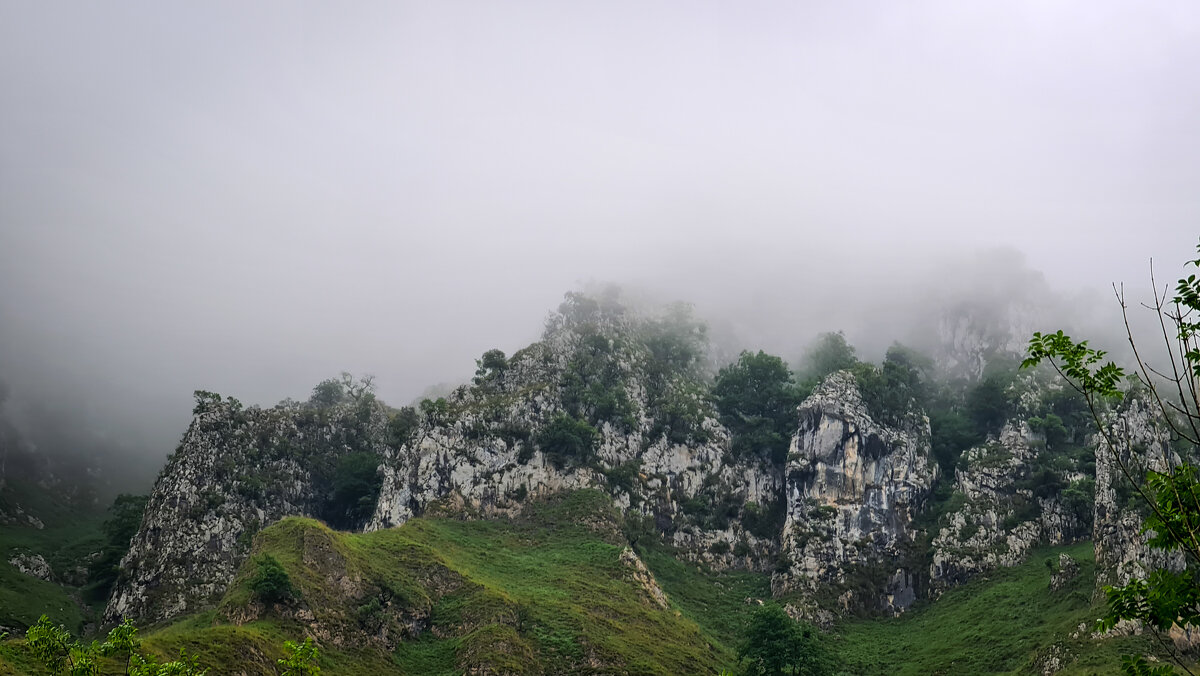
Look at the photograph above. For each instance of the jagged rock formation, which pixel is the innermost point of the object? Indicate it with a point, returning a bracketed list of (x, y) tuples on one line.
[(969, 338), (853, 489), (613, 400), (1142, 440), (33, 565), (663, 456), (658, 450), (237, 470), (998, 518)]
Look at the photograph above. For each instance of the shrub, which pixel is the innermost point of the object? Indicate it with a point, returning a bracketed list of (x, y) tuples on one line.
[(270, 582), (757, 402), (567, 441), (356, 483)]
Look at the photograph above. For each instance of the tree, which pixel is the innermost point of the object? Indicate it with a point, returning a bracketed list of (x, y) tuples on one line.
[(1172, 496), (343, 389), (777, 645), (356, 483), (829, 353), (490, 366), (125, 517), (757, 401), (270, 583), (567, 440)]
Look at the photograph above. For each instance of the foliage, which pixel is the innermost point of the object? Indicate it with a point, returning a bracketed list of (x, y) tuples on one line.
[(951, 433), (988, 404), (777, 645), (341, 390), (1165, 597), (356, 483), (125, 517), (302, 659), (1079, 497), (402, 426), (830, 352), (757, 401), (436, 412), (567, 441), (593, 385), (896, 389), (56, 650), (270, 583), (490, 366)]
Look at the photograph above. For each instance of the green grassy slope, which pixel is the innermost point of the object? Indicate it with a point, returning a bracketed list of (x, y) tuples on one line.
[(68, 536), (999, 624), (545, 592)]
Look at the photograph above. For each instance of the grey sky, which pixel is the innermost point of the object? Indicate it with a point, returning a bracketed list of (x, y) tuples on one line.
[(248, 197)]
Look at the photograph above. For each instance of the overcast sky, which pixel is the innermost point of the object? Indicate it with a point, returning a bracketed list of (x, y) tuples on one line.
[(249, 197)]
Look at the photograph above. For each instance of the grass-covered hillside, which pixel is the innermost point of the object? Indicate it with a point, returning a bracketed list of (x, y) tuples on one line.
[(63, 535), (1007, 622), (555, 590)]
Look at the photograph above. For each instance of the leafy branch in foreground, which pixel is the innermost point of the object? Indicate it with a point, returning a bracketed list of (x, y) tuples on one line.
[(54, 647), (1165, 598)]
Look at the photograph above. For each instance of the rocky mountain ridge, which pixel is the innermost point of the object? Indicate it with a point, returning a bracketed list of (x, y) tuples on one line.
[(855, 520)]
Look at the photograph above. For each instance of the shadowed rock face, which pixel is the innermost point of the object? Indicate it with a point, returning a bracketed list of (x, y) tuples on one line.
[(853, 488)]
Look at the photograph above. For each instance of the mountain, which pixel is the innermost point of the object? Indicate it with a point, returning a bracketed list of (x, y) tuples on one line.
[(529, 517)]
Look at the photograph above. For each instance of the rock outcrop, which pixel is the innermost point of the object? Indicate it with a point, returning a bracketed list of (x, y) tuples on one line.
[(1142, 441), (237, 470), (33, 565), (659, 449), (854, 487), (998, 514)]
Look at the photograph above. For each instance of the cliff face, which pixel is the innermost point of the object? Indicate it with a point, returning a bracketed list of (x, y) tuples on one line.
[(999, 517), (659, 449), (614, 401), (1142, 443), (236, 471), (853, 489)]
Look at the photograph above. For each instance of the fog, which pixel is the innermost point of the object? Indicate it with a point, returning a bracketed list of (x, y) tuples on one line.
[(251, 197)]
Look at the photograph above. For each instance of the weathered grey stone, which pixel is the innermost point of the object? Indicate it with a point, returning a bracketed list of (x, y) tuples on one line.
[(853, 489), (33, 565)]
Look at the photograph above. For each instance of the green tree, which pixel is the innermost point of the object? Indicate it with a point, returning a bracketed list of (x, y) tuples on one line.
[(567, 441), (988, 404), (777, 645), (830, 352), (757, 401), (490, 366), (1165, 597), (270, 582), (356, 483), (402, 426), (125, 517)]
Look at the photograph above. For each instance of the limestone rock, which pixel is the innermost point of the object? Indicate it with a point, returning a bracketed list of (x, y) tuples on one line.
[(853, 489), (33, 565)]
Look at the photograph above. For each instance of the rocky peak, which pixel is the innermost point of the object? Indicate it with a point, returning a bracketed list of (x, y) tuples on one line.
[(853, 487)]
